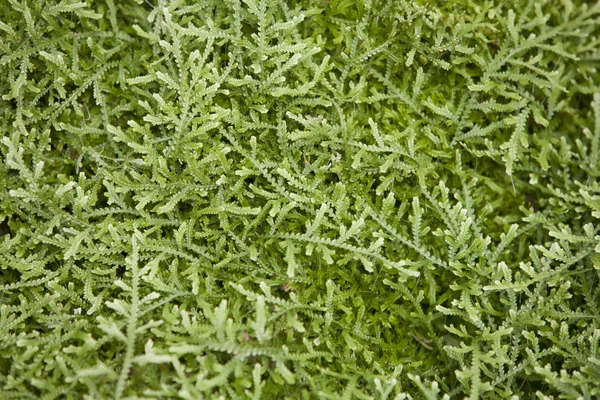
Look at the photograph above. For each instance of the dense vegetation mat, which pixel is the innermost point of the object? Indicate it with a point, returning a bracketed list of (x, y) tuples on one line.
[(326, 199)]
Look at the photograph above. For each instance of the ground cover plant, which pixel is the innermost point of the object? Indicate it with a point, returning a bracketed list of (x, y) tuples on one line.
[(326, 199)]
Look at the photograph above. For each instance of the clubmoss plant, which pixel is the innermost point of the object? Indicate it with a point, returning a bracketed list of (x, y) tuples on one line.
[(311, 199)]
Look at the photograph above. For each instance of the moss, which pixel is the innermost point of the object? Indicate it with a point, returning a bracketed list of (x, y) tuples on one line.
[(299, 199)]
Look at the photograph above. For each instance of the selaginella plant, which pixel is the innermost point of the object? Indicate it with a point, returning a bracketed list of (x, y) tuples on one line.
[(316, 199)]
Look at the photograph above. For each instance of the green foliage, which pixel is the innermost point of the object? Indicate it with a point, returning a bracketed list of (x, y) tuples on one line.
[(330, 199)]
